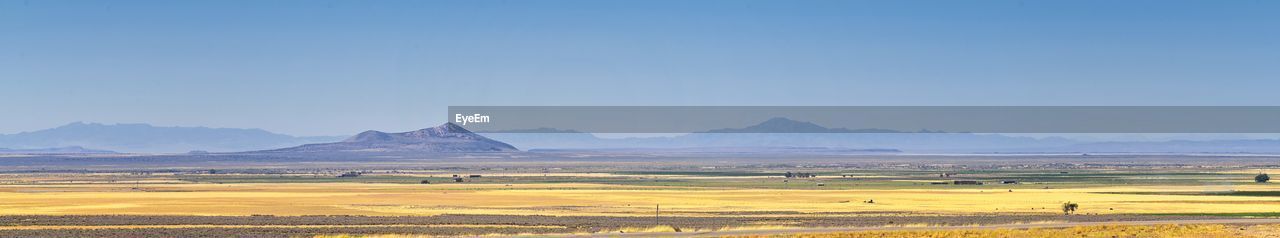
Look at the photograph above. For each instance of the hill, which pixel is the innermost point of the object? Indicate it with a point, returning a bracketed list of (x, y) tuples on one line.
[(145, 138), (782, 133), (58, 150), (439, 139)]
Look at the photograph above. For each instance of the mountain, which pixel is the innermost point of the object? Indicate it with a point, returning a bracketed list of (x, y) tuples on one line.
[(145, 138), (733, 150), (783, 132), (444, 138), (786, 133), (785, 125), (58, 150)]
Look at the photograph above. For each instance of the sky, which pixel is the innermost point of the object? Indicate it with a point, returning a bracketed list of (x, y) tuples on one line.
[(340, 67)]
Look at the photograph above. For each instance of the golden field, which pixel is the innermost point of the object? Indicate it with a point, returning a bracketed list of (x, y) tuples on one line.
[(1196, 230), (1107, 231), (594, 199), (906, 203)]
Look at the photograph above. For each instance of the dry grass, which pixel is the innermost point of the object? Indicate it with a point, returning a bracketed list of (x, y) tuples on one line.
[(589, 200), (1206, 230), (1202, 230)]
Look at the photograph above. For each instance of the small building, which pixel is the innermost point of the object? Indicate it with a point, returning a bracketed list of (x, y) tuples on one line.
[(349, 175), (457, 180), (473, 176), (1009, 182), (965, 182), (939, 183), (799, 175)]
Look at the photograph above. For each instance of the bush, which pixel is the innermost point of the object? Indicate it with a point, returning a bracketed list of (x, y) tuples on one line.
[(1069, 207)]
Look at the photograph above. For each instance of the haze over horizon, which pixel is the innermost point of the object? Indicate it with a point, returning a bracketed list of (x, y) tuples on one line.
[(325, 68)]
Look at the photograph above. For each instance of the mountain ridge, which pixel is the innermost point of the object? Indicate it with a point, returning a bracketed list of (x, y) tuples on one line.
[(146, 138), (784, 132), (787, 125), (56, 150), (444, 138)]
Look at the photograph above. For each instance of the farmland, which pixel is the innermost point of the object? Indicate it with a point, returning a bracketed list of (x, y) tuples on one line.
[(1197, 230), (609, 196)]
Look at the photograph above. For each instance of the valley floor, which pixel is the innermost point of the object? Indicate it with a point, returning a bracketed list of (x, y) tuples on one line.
[(625, 198)]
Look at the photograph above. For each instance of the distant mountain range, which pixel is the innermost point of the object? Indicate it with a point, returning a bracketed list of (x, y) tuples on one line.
[(784, 125), (783, 133), (440, 139), (778, 134), (58, 150), (144, 138)]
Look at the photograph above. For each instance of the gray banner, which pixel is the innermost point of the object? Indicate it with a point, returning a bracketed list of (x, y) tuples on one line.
[(868, 119)]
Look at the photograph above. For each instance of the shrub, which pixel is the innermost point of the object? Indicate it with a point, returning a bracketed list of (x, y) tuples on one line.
[(1069, 207)]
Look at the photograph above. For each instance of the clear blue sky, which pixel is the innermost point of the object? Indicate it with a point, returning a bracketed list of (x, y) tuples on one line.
[(340, 67)]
